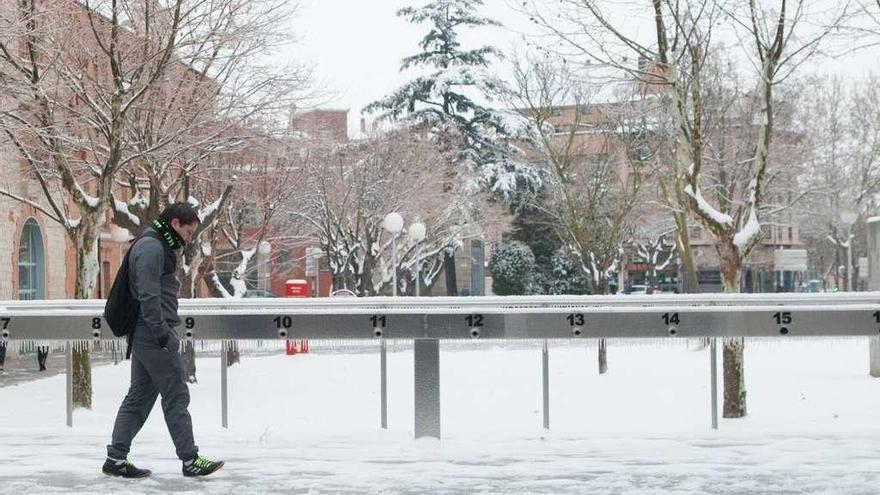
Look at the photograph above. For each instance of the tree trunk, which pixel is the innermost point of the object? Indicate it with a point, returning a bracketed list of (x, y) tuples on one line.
[(734, 382), (837, 263), (189, 361), (684, 155), (86, 242), (730, 264), (691, 283), (190, 280), (449, 269), (363, 281), (734, 378), (82, 376)]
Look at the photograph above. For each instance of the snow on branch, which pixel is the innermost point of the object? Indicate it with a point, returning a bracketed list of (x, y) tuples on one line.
[(215, 280), (122, 207), (708, 210), (89, 200), (750, 231), (209, 210)]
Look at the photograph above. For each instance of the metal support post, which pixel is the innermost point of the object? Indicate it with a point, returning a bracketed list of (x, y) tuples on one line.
[(546, 372), (713, 365), (68, 351), (383, 373), (849, 264), (394, 266), (427, 387), (418, 268), (224, 405)]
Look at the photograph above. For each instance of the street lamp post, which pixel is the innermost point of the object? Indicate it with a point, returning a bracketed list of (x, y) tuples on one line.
[(849, 217), (393, 225), (417, 235)]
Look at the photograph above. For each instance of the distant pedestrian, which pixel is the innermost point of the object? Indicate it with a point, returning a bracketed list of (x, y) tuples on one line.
[(42, 355), (2, 354), (156, 364)]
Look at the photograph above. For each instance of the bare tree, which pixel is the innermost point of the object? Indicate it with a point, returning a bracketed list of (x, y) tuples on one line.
[(828, 134), (350, 188), (596, 158), (777, 41), (654, 250), (74, 75), (70, 134), (265, 183), (840, 122), (225, 99), (862, 27)]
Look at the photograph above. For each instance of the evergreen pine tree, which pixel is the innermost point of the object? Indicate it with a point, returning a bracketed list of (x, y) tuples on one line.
[(442, 102), (533, 228), (444, 98), (556, 270)]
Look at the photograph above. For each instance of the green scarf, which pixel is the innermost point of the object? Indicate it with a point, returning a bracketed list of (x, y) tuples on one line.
[(171, 237)]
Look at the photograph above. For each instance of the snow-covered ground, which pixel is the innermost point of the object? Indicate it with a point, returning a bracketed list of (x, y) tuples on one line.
[(310, 424)]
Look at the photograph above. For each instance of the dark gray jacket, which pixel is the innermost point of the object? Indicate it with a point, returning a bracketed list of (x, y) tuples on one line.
[(152, 266)]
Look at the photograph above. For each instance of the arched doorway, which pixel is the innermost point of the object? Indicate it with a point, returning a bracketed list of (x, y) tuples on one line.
[(31, 263)]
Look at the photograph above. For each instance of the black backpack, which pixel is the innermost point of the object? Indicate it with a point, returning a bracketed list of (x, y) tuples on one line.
[(121, 310)]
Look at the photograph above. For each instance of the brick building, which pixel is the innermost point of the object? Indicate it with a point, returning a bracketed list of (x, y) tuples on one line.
[(769, 267)]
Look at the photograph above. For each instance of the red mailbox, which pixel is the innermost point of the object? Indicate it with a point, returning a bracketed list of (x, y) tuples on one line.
[(296, 288)]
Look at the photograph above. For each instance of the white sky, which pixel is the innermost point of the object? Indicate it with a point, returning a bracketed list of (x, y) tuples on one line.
[(356, 46)]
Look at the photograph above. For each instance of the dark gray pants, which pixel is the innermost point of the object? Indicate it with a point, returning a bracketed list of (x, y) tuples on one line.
[(154, 371)]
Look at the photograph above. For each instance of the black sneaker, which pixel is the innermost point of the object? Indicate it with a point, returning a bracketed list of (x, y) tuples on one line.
[(200, 467), (124, 469)]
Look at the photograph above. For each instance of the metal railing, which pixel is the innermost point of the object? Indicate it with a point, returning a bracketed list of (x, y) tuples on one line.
[(427, 320)]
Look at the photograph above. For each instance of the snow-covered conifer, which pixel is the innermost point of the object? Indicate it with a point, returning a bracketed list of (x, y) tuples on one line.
[(512, 265)]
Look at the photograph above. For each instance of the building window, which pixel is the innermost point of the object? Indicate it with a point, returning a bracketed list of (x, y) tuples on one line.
[(31, 263)]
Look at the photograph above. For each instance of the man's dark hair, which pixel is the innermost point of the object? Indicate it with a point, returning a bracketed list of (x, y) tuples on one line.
[(181, 211)]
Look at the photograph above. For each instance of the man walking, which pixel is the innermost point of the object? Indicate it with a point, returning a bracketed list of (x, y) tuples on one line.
[(156, 365)]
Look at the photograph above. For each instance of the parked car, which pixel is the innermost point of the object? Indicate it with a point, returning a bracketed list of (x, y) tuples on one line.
[(637, 289), (811, 286), (343, 293), (642, 289)]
